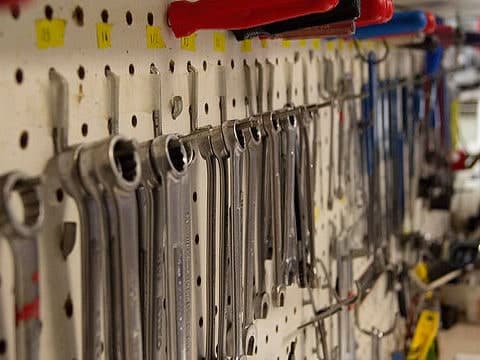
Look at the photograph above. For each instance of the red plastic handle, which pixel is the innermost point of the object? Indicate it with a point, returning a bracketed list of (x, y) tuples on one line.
[(374, 12), (340, 29), (186, 17), (431, 23)]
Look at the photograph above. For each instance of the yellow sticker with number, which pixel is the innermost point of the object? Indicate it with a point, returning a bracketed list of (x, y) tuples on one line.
[(286, 44), (189, 43), (331, 45), (246, 45), (264, 43), (154, 37), (104, 35), (302, 43), (316, 43), (219, 42), (341, 44), (50, 33)]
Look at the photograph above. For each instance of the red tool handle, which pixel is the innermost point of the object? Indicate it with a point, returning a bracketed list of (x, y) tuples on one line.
[(186, 17), (431, 23), (374, 12)]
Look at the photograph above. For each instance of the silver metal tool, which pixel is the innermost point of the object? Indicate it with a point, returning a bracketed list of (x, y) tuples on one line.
[(222, 154), (253, 161), (376, 336), (289, 226), (272, 127), (170, 159), (20, 224), (115, 165), (235, 143)]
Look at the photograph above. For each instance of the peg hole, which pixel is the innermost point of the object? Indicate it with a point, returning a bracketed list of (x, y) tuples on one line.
[(278, 94), (15, 11), (200, 322), (232, 63), (104, 16), (59, 195), (199, 281), (197, 239), (171, 66), (204, 65), (68, 307), (276, 329), (266, 339), (84, 130), (129, 18), (131, 69), (81, 72), (150, 19), (194, 196), (48, 12), (134, 121), (234, 102), (229, 300), (78, 16), (206, 108), (3, 346), (19, 76), (24, 139)]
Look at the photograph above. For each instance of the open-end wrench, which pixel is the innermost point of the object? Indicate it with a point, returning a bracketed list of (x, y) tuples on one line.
[(235, 143), (21, 229), (253, 160), (289, 228), (170, 159), (115, 164), (272, 127)]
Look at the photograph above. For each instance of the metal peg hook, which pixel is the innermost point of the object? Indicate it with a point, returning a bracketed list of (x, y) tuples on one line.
[(60, 110), (113, 83), (156, 113)]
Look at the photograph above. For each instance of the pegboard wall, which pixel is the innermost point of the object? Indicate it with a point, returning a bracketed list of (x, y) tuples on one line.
[(80, 40)]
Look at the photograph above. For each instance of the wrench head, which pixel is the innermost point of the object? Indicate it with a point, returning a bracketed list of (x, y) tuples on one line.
[(278, 296), (21, 210), (250, 340), (262, 306)]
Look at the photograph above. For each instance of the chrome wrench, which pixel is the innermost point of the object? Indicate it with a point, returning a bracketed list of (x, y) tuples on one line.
[(273, 129), (235, 143), (115, 164), (289, 236), (253, 160), (21, 231), (170, 159)]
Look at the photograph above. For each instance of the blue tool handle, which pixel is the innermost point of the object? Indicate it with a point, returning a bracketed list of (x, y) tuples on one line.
[(366, 136), (402, 22)]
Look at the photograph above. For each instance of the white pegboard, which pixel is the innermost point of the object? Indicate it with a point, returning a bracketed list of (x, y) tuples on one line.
[(27, 145)]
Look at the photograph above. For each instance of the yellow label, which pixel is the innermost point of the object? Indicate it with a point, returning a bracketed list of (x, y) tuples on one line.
[(341, 44), (316, 214), (331, 45), (189, 42), (154, 37), (350, 45), (421, 270), (286, 43), (264, 43), (302, 43), (316, 43), (425, 333), (50, 33), (104, 35), (246, 45), (219, 41)]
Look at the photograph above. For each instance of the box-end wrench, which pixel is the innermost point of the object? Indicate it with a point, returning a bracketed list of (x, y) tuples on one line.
[(272, 127), (235, 143), (289, 229), (170, 158), (253, 160), (21, 230), (115, 164)]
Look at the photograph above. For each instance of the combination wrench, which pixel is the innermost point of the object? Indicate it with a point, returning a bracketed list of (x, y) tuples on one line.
[(236, 146), (272, 128), (170, 159), (110, 171), (289, 229), (253, 158), (21, 227)]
